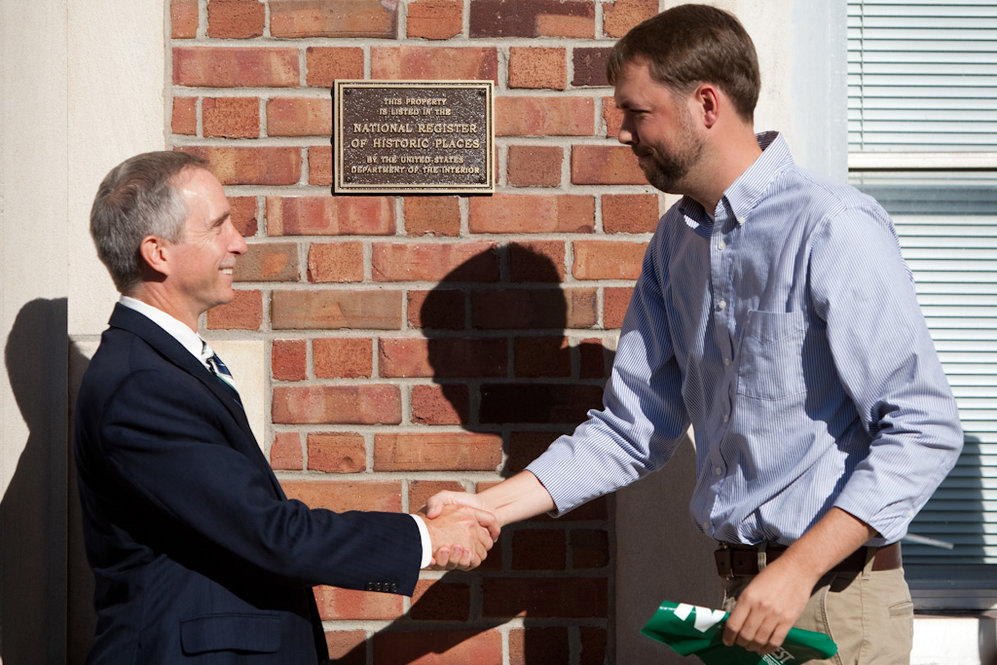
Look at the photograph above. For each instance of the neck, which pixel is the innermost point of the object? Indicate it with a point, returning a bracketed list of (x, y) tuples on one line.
[(726, 158), (152, 294)]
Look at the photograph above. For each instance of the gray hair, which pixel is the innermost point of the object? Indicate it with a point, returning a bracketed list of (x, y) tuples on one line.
[(137, 199)]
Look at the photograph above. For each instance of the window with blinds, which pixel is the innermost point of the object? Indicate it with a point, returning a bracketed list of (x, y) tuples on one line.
[(922, 76), (922, 120)]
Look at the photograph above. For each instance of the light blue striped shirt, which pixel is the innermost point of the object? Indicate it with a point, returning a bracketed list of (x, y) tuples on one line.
[(787, 332)]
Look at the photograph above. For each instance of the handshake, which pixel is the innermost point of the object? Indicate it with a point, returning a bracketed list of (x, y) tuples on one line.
[(461, 528)]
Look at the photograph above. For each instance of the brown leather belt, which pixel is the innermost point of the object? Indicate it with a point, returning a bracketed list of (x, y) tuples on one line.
[(744, 559)]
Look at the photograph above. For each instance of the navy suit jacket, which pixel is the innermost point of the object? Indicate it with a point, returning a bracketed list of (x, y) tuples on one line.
[(198, 555)]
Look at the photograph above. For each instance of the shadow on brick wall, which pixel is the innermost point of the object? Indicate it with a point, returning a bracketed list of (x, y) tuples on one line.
[(498, 330)]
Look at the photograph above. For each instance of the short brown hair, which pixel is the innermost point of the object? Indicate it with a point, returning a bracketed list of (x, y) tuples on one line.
[(692, 44)]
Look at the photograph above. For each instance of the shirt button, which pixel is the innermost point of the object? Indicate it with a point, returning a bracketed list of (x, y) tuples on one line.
[(718, 471), (722, 305), (706, 527), (742, 220), (726, 362), (726, 417), (721, 245)]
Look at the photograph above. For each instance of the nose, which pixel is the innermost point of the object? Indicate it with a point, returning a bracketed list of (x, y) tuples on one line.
[(237, 245), (626, 134)]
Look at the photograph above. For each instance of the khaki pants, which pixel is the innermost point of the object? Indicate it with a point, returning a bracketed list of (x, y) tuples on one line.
[(869, 615)]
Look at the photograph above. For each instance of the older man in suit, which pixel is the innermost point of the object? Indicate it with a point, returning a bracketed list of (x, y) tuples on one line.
[(198, 555)]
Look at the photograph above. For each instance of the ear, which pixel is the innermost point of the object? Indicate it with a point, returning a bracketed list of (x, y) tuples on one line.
[(707, 99), (155, 253)]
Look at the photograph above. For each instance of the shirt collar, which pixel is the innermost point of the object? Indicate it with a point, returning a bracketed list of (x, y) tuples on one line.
[(744, 193), (189, 339)]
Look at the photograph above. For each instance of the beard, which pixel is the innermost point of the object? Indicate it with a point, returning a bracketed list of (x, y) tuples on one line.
[(665, 168)]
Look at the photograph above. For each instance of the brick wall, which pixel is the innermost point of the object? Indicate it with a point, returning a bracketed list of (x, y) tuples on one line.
[(429, 342)]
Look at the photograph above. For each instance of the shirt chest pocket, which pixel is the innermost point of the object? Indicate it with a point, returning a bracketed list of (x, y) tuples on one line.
[(771, 357)]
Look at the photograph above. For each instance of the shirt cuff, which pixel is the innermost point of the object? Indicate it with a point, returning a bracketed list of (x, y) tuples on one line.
[(427, 544)]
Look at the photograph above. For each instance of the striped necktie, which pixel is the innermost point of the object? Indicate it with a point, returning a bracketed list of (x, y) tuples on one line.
[(220, 371)]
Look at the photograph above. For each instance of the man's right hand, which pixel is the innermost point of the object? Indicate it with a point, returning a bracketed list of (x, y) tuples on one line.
[(461, 536)]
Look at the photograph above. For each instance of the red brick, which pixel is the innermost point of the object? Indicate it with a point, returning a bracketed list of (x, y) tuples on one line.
[(544, 116), (245, 312), (431, 262), (449, 451), (445, 357), (595, 359), (314, 215), (349, 647), (629, 213), (343, 357), (285, 452), (552, 403), (605, 165), (336, 604), (536, 308), (539, 645), (268, 262), (332, 309), (533, 67), (235, 19), (439, 309), (612, 116), (518, 213), (320, 165), (326, 64), (336, 452), (340, 496), (535, 166), (184, 118), (438, 647), (532, 18), (299, 116), (621, 15), (252, 166), (615, 301), (439, 600), (333, 18), (539, 549), (435, 19), (593, 645), (440, 405), (421, 490), (545, 597), (546, 309), (240, 67), (184, 16), (542, 357), (553, 25), (524, 447), (432, 215), (589, 548), (352, 405), (231, 117), (289, 359), (430, 62), (244, 214), (335, 262), (601, 259), (589, 65), (536, 261)]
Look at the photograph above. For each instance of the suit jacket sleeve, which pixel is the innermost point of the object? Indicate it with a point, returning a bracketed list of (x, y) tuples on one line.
[(192, 475)]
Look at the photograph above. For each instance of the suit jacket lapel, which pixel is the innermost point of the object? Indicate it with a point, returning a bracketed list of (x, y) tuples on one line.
[(165, 344)]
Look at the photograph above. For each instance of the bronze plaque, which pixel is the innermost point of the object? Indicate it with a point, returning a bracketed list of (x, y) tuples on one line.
[(413, 137)]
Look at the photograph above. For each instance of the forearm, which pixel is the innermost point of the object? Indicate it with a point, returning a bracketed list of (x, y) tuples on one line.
[(827, 543), (517, 498)]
